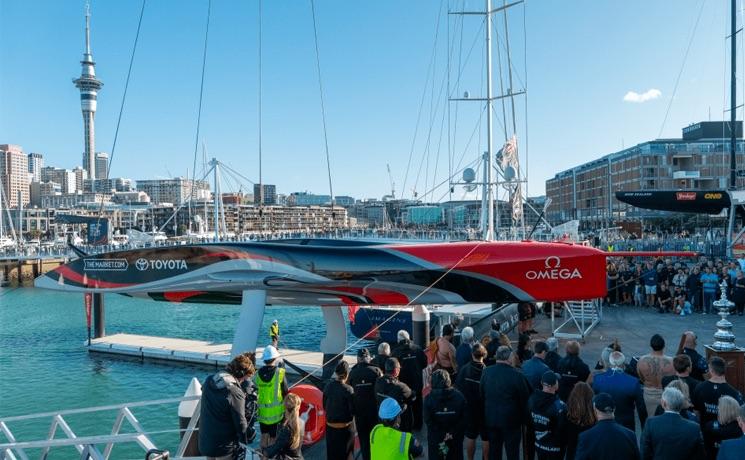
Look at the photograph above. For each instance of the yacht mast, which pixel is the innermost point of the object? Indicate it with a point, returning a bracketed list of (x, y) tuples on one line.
[(489, 230)]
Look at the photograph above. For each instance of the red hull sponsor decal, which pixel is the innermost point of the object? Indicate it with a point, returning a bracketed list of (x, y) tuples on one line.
[(543, 271)]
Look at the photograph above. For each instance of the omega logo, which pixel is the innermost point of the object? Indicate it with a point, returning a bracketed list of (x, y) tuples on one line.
[(553, 271)]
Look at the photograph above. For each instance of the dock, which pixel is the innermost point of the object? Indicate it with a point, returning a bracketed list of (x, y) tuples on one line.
[(199, 352)]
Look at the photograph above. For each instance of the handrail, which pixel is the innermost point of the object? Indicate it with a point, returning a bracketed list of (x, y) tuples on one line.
[(84, 410)]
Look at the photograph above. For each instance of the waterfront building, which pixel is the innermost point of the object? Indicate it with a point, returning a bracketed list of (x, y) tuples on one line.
[(102, 165), (267, 192), (699, 160), (428, 215), (42, 189), (174, 191), (14, 175), (35, 163), (65, 177), (89, 86), (308, 199), (115, 184), (344, 201), (130, 197), (72, 200)]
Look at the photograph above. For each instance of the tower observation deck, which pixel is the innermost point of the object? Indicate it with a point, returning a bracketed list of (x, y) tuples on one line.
[(88, 85)]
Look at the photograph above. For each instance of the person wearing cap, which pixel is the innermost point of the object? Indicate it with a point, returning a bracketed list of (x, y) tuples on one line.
[(389, 386), (625, 390), (670, 436), (504, 392), (548, 419), (272, 386), (413, 361), (387, 440), (444, 410), (223, 431), (467, 383), (607, 440), (362, 379), (338, 402), (274, 333)]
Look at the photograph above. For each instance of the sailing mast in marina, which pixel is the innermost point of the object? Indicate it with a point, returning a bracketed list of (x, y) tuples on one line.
[(509, 154)]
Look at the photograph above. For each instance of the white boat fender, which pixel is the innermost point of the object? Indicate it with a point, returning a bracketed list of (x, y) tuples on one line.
[(186, 410)]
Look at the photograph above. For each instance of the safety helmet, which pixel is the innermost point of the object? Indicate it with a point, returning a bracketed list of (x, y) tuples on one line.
[(389, 409), (270, 353)]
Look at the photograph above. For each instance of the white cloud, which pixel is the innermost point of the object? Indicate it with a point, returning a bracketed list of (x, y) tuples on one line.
[(633, 96)]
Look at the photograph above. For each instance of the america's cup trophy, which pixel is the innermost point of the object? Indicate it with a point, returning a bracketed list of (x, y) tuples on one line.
[(724, 339)]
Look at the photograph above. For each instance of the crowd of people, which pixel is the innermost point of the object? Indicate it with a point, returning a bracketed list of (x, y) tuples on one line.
[(527, 401), (682, 287)]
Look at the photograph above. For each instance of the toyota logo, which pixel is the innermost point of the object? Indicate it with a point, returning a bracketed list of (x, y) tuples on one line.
[(553, 262), (143, 264)]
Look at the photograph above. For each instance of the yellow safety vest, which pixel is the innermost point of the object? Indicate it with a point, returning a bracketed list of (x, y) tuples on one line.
[(271, 409), (274, 331), (389, 444)]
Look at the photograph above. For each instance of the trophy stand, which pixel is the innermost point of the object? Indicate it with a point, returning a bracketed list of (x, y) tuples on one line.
[(724, 343)]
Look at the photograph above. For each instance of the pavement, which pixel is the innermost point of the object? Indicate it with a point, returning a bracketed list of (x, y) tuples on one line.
[(632, 326)]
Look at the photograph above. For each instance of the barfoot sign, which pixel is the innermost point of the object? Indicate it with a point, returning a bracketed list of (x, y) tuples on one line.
[(553, 271)]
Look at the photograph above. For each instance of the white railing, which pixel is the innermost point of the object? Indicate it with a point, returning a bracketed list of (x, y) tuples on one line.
[(89, 446)]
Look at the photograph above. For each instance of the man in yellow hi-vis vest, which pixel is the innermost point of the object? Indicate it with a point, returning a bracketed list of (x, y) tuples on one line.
[(274, 333), (386, 441), (272, 389)]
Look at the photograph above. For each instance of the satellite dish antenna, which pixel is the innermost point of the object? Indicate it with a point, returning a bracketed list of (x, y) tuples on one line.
[(509, 173), (466, 95), (469, 175)]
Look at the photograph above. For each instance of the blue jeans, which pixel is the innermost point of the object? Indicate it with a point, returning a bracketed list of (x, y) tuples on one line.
[(708, 299)]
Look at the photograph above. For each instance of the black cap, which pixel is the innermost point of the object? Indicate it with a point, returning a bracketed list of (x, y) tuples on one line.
[(363, 353), (604, 403), (550, 378)]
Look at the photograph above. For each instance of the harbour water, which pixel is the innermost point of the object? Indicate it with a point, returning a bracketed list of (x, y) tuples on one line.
[(44, 365)]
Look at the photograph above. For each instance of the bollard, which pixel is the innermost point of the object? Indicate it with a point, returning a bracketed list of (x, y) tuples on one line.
[(420, 326), (186, 410)]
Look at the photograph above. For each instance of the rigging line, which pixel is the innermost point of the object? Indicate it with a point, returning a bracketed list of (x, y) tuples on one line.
[(457, 106), (477, 128), (439, 149), (261, 186), (199, 109), (124, 99), (430, 69), (525, 87), (411, 302), (323, 108), (234, 171), (682, 66), (475, 163), (185, 202), (425, 153)]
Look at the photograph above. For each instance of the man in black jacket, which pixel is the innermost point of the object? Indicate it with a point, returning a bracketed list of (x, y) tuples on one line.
[(362, 378), (223, 428), (504, 392), (388, 386), (572, 370), (444, 410), (413, 361), (670, 436), (548, 419), (468, 383), (607, 440)]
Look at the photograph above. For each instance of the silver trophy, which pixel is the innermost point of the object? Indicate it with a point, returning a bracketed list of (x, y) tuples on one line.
[(724, 339)]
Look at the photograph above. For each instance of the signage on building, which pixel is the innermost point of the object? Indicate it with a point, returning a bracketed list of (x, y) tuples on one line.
[(685, 196)]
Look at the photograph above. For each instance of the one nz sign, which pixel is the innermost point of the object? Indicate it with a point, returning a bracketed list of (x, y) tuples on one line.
[(105, 265)]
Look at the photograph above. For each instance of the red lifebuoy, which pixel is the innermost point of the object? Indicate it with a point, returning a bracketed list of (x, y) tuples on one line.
[(312, 411)]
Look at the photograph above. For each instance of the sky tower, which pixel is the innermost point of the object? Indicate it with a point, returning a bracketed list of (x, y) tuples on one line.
[(88, 85)]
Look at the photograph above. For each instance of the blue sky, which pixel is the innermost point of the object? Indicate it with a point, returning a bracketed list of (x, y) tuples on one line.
[(581, 58)]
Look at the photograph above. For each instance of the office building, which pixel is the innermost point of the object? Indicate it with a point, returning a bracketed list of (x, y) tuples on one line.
[(14, 175), (267, 192), (174, 191), (102, 165), (65, 177), (699, 160), (308, 199), (35, 163), (115, 184), (80, 176), (41, 189)]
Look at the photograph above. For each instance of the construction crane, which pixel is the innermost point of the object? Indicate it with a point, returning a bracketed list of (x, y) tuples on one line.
[(393, 184)]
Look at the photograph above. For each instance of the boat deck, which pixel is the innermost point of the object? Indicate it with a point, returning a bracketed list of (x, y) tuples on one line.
[(194, 351)]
